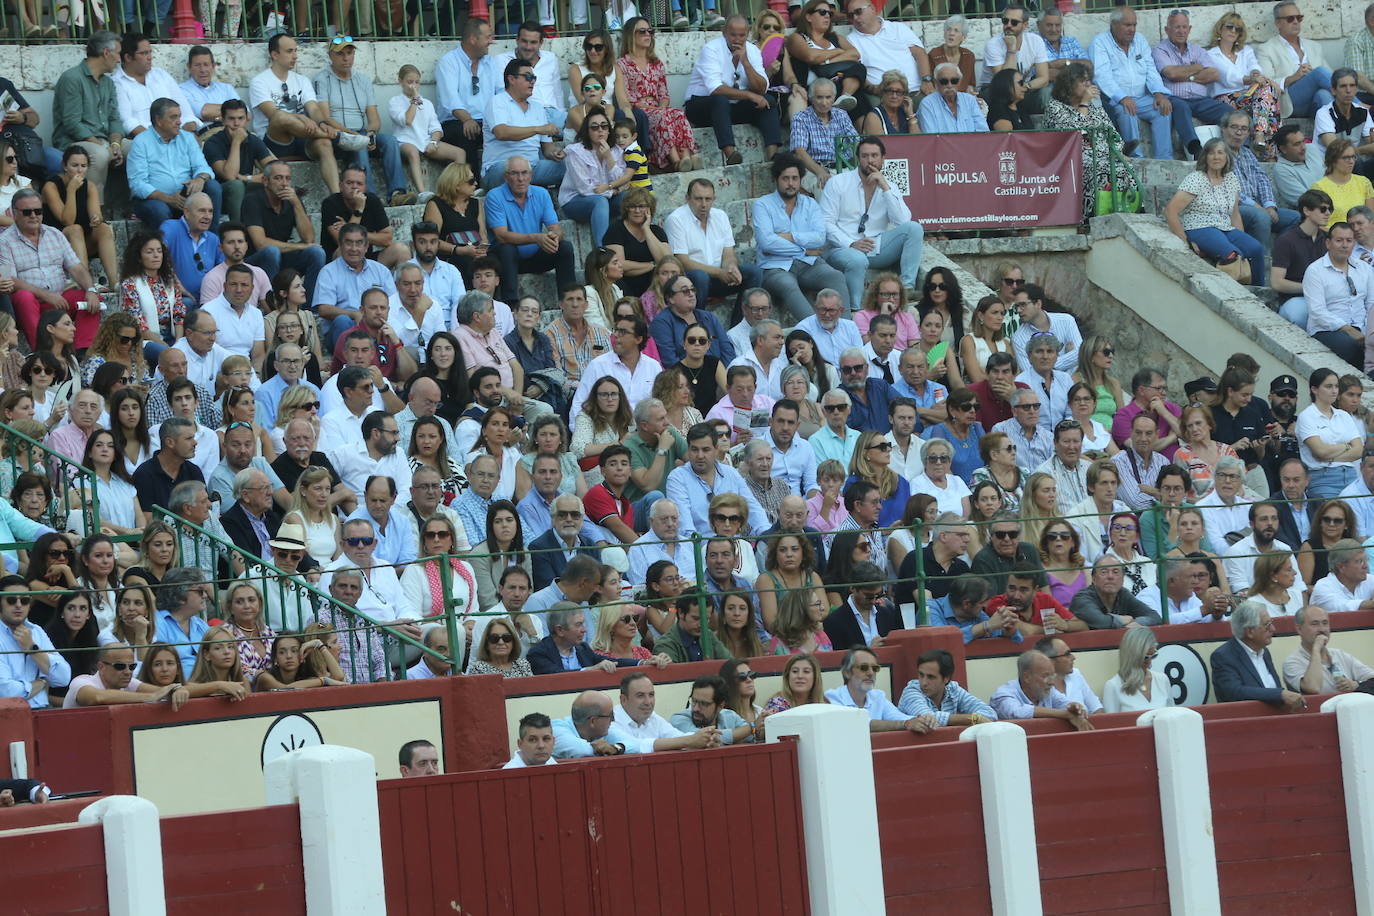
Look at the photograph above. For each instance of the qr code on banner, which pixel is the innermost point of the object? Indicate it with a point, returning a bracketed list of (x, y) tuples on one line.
[(898, 174)]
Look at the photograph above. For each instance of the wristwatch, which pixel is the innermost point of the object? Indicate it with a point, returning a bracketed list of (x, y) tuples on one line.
[(661, 451)]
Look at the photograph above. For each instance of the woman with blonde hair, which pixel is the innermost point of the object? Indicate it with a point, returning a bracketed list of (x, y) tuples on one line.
[(801, 684), (1136, 686), (157, 553), (655, 298), (218, 665), (460, 216), (1095, 359), (11, 357), (297, 403), (1240, 82), (241, 604), (872, 462), (1061, 555), (671, 387), (311, 510), (643, 78), (1038, 505), (617, 627), (116, 341), (798, 626), (887, 296)]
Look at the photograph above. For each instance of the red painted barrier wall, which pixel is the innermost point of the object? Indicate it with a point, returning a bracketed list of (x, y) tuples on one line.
[(234, 862), (672, 834), (50, 872)]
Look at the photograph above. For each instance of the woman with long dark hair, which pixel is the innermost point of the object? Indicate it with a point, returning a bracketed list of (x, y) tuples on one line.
[(503, 547), (150, 291), (595, 174), (429, 449), (444, 363), (74, 634)]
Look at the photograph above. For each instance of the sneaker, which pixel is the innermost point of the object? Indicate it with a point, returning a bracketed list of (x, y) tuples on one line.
[(734, 158), (351, 142), (613, 22), (714, 20), (550, 31), (846, 102), (425, 197), (695, 24), (402, 198), (679, 21)]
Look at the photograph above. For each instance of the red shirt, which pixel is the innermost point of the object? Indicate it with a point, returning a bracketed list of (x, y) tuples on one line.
[(383, 355), (1041, 602), (601, 504), (991, 408)]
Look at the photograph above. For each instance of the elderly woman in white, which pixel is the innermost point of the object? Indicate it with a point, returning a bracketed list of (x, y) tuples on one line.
[(422, 583)]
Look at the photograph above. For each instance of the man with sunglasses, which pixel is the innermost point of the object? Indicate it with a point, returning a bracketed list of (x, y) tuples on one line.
[(512, 126), (555, 547), (947, 110), (860, 670), (1006, 551), (114, 684), (869, 397), (466, 78), (1132, 88), (548, 69), (672, 325), (836, 439), (885, 45), (192, 246), (1017, 48), (1339, 291), (381, 597), (867, 616), (1033, 440), (1295, 64), (36, 262), (28, 663), (1296, 249)]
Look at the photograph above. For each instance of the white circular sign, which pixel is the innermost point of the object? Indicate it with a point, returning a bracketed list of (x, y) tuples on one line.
[(1189, 680), (289, 733)]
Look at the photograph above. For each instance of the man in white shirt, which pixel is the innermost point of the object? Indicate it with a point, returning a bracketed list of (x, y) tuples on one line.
[(1032, 694), (288, 116), (341, 429), (756, 305), (906, 445), (626, 363), (376, 453), (548, 84), (1348, 586), (1029, 302), (358, 353), (832, 334), (203, 355), (1224, 509), (1182, 578), (764, 356), (701, 237), (534, 748), (635, 714), (868, 223), (1076, 686), (1339, 292), (138, 84), (113, 683), (1240, 557), (1017, 48), (884, 45), (1317, 668), (381, 597), (728, 86), (241, 327)]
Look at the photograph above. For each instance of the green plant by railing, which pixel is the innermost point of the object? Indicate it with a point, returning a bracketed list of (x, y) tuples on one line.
[(70, 481)]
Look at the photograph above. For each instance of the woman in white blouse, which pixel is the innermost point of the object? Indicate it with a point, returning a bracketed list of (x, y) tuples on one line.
[(1136, 686), (950, 492), (1240, 83), (1330, 441), (1277, 585)]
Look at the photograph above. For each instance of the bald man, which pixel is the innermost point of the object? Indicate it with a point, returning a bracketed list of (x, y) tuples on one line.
[(591, 730)]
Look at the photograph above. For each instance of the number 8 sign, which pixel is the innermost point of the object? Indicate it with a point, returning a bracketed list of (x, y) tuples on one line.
[(1189, 680)]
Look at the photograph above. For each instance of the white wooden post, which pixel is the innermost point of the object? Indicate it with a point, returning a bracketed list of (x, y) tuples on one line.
[(1008, 818), (1355, 726), (839, 807), (341, 844), (19, 760), (133, 854), (1185, 803)]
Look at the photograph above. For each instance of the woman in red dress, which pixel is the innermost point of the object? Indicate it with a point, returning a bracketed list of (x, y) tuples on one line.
[(646, 85)]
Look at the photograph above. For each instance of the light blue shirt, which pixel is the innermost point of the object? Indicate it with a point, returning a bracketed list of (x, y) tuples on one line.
[(216, 93), (164, 165), (269, 397), (935, 116), (832, 343), (805, 225), (342, 286), (397, 545), (502, 109), (169, 632), (1011, 701), (797, 465), (453, 79), (1121, 74), (18, 670), (727, 720), (544, 599), (647, 550), (15, 527), (876, 704), (957, 701), (222, 479), (568, 743), (825, 444), (693, 497), (1054, 403), (536, 517), (1069, 49), (504, 211), (940, 614)]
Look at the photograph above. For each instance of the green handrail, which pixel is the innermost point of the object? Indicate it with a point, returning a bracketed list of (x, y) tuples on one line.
[(64, 475)]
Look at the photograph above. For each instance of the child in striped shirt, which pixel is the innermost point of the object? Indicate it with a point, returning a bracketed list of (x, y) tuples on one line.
[(628, 141)]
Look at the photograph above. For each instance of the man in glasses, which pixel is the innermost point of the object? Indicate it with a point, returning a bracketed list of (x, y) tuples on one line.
[(252, 520), (1242, 668), (1300, 164), (590, 730), (286, 604), (701, 236), (1017, 48), (706, 709), (868, 224), (347, 103), (380, 453), (704, 476), (860, 670), (28, 663), (564, 540), (755, 305), (947, 110), (1034, 443), (182, 599), (466, 78), (1260, 213), (684, 317), (1148, 390), (381, 597), (1028, 301), (287, 114), (113, 682), (138, 84), (626, 363), (728, 86), (1006, 551), (836, 439), (548, 70), (516, 124), (867, 616), (1225, 507), (1132, 88), (1296, 65), (426, 501), (869, 397), (1296, 249), (194, 249), (1339, 291), (36, 262), (1042, 377), (1032, 694), (1105, 605), (1067, 680), (289, 362), (396, 541)]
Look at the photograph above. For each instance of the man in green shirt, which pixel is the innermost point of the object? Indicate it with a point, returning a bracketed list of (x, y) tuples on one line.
[(85, 108), (655, 450)]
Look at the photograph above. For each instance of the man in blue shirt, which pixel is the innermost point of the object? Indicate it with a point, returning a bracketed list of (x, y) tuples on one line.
[(524, 228), (860, 672), (395, 537), (670, 325), (869, 397), (693, 486), (1132, 88), (28, 663), (180, 622), (341, 283), (789, 234), (964, 607), (194, 249), (591, 731), (466, 78), (166, 167), (947, 110), (513, 125)]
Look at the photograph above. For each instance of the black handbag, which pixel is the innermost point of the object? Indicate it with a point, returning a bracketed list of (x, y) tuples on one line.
[(28, 149)]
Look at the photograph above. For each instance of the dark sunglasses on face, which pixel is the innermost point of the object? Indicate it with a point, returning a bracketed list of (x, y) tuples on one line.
[(831, 408), (628, 618), (360, 542), (123, 666), (947, 81), (1008, 21), (1006, 535), (497, 638), (32, 211), (747, 675)]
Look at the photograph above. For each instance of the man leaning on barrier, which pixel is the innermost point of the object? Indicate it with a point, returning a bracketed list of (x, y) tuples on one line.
[(590, 731), (934, 692), (860, 671), (1032, 695), (1105, 605), (635, 713)]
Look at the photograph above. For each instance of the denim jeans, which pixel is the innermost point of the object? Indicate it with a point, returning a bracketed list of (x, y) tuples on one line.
[(595, 210), (154, 213), (1162, 127), (1311, 93), (899, 247), (1217, 244)]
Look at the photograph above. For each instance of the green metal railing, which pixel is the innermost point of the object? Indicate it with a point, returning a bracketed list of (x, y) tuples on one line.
[(70, 481)]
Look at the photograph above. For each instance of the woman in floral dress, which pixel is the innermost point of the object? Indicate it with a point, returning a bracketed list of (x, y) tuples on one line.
[(1072, 108), (646, 84)]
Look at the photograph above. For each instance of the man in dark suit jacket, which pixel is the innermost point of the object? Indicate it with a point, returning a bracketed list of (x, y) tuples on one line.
[(565, 648), (1290, 499), (1234, 675), (879, 617), (253, 501), (550, 550)]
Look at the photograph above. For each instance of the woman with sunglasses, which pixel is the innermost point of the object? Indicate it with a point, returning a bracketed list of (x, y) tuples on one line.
[(849, 547), (297, 403), (10, 181), (645, 81), (460, 216), (239, 409), (51, 569), (872, 462), (1241, 84), (1000, 468), (71, 203), (116, 341), (769, 36), (1334, 521), (949, 489), (42, 371), (595, 174), (735, 627), (704, 372), (591, 97), (1136, 686), (150, 291), (422, 581), (941, 293), (499, 652), (741, 695), (1062, 557), (617, 628), (1095, 359), (1004, 95), (1074, 105), (895, 114), (1124, 548)]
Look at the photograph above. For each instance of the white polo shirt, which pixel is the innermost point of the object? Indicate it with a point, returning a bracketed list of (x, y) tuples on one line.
[(654, 727), (238, 331), (889, 48), (686, 236), (715, 67), (1033, 51)]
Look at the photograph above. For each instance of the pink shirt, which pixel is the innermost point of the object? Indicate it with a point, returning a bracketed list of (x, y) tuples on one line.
[(91, 680), (824, 522), (479, 351)]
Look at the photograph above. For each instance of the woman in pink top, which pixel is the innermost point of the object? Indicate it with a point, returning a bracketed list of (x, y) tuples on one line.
[(887, 296)]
